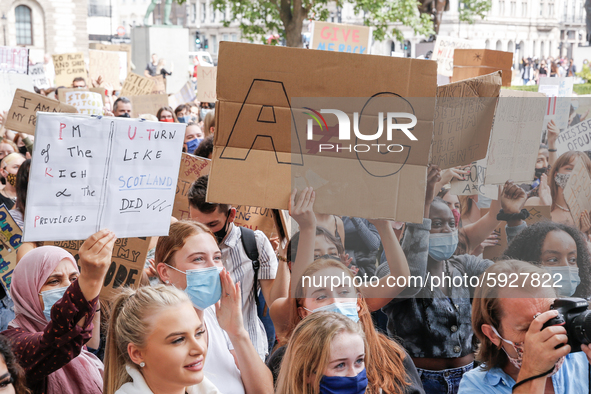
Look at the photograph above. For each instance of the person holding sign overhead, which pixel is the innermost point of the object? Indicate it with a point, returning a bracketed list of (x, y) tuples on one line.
[(55, 304)]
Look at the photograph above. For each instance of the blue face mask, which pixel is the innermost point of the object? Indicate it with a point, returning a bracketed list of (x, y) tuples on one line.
[(568, 280), (344, 384), (443, 245), (483, 202), (50, 297), (348, 309), (193, 144), (184, 119), (204, 286)]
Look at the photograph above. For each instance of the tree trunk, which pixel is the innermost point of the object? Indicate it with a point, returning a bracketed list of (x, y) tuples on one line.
[(293, 21)]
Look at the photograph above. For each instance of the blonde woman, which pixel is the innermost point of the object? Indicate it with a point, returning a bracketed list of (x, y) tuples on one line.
[(326, 354), (155, 344)]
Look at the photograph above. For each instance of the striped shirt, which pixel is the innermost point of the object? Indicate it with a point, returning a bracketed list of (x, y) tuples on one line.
[(240, 268)]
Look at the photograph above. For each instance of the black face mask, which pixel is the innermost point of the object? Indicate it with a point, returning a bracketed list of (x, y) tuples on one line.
[(540, 171), (124, 115), (329, 257), (221, 233), (22, 150)]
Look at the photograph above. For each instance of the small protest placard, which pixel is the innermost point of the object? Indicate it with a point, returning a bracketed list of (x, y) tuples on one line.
[(22, 115), (469, 63), (577, 192), (37, 72), (559, 92), (106, 65), (206, 77), (159, 85), (10, 83), (89, 173), (256, 218), (339, 37), (120, 48), (129, 256), (443, 53), (69, 66), (474, 183), (136, 85), (577, 137), (85, 101), (14, 60), (149, 104), (192, 167), (10, 240), (185, 95)]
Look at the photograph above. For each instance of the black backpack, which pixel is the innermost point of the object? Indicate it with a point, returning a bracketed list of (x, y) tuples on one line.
[(250, 247)]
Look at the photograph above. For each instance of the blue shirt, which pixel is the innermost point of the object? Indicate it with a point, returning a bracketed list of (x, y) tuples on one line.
[(571, 378)]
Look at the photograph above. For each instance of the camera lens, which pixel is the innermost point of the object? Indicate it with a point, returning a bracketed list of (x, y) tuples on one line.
[(581, 327)]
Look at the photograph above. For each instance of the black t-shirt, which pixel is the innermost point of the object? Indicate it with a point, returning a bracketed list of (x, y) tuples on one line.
[(6, 201)]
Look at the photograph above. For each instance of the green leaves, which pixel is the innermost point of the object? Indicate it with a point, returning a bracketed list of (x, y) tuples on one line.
[(470, 9)]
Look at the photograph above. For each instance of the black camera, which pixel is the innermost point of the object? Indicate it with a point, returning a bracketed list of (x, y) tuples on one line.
[(576, 319)]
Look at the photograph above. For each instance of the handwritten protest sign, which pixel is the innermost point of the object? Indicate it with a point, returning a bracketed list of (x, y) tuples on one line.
[(559, 92), (14, 60), (206, 88), (126, 48), (185, 95), (192, 167), (577, 137), (90, 173), (469, 63), (256, 218), (37, 72), (85, 101), (577, 192), (10, 241), (474, 183), (463, 120), (127, 264), (443, 53), (159, 85), (22, 115), (136, 85), (149, 104), (10, 83), (515, 138), (106, 65), (339, 37), (69, 66)]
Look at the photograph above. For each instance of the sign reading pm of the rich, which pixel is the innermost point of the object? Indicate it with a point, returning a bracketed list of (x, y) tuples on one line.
[(90, 173)]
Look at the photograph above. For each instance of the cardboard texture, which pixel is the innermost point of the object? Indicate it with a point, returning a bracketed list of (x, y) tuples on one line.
[(10, 241), (515, 138), (88, 101), (116, 48), (577, 192), (463, 120), (443, 53), (127, 264), (159, 85), (136, 85), (10, 83), (149, 104), (206, 87), (14, 60), (106, 65), (536, 214), (256, 218), (192, 167), (22, 115), (253, 148), (470, 63), (577, 137), (69, 66), (339, 37), (474, 184)]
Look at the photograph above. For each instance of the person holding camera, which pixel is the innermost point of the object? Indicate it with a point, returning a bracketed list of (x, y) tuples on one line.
[(523, 340)]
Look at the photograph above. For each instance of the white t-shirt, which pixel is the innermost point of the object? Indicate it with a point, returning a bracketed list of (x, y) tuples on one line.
[(220, 367)]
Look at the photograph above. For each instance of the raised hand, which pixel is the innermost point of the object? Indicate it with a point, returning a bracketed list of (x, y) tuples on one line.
[(302, 209), (544, 191), (95, 260), (513, 198), (229, 309)]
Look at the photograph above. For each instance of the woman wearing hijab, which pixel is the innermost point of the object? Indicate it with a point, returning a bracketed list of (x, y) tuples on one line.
[(54, 306)]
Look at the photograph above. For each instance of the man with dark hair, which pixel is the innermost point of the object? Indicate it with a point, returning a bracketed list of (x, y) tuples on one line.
[(219, 219), (205, 148), (79, 82), (151, 68), (122, 108)]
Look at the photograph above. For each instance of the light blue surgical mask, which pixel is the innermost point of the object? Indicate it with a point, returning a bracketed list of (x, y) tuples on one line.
[(567, 279), (193, 144), (204, 286), (50, 297), (348, 309), (483, 202), (443, 245), (184, 119)]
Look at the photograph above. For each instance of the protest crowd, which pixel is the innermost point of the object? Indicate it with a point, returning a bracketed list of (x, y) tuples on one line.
[(220, 293)]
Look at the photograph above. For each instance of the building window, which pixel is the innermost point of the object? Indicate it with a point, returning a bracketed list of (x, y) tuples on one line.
[(524, 9), (551, 9), (24, 27), (212, 14), (541, 8), (194, 12), (203, 12), (225, 37), (214, 44), (513, 8), (502, 7), (234, 37)]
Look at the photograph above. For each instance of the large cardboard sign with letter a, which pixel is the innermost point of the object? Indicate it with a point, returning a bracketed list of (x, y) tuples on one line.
[(267, 142)]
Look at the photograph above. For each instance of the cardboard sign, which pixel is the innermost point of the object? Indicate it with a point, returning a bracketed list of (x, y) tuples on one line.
[(470, 63), (127, 264), (463, 120), (22, 115), (443, 53), (192, 167), (149, 104), (577, 192), (69, 66), (515, 138), (159, 85), (474, 183), (339, 37), (577, 137), (536, 214), (91, 173), (185, 95), (84, 100), (10, 83), (14, 60), (104, 64), (559, 92), (10, 241), (136, 85), (37, 72), (206, 89), (256, 159), (116, 48), (256, 218)]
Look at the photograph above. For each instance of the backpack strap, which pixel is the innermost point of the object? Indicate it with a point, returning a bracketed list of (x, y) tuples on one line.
[(250, 247)]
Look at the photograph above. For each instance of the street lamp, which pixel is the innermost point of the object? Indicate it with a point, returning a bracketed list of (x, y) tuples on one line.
[(4, 20)]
